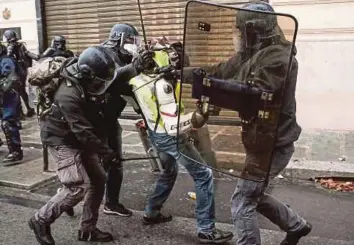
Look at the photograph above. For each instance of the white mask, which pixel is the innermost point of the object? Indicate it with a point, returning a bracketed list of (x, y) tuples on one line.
[(131, 48)]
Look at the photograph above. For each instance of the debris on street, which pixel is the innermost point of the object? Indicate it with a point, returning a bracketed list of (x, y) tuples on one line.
[(329, 183), (192, 195)]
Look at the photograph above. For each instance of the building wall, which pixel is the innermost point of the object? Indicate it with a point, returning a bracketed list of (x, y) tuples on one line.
[(325, 43), (23, 14)]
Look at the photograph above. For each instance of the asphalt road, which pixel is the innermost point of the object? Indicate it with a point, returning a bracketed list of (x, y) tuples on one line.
[(329, 212)]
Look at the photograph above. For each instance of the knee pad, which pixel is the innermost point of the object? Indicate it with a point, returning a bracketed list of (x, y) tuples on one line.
[(5, 125), (9, 124)]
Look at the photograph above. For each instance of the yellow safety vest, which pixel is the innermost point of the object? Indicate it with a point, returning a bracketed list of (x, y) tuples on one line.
[(146, 93)]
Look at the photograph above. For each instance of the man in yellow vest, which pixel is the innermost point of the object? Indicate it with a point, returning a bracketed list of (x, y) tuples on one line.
[(159, 108)]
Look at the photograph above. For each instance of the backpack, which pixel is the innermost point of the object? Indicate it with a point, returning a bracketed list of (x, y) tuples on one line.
[(45, 76)]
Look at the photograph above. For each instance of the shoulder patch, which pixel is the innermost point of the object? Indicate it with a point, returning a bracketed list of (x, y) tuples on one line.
[(167, 88)]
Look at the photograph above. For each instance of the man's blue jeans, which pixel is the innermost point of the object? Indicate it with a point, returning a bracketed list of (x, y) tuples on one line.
[(250, 197), (166, 145)]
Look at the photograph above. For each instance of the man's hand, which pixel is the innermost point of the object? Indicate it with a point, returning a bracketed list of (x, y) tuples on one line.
[(144, 61), (201, 115)]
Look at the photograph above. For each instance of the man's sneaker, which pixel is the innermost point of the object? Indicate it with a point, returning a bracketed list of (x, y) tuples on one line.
[(14, 156), (117, 209), (95, 236), (42, 232), (294, 238), (216, 237), (70, 211), (160, 218)]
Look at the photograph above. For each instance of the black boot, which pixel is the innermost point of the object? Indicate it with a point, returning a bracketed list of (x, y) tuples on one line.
[(294, 237), (42, 232), (160, 218), (14, 156), (95, 236)]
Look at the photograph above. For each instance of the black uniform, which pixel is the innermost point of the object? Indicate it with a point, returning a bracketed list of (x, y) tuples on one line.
[(80, 127), (112, 110), (264, 60), (71, 130), (24, 59)]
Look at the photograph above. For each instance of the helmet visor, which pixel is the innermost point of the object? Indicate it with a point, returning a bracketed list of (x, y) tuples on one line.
[(131, 44), (100, 83)]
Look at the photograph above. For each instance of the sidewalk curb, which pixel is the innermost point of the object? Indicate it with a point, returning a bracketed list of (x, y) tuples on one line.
[(27, 187), (303, 169), (297, 169)]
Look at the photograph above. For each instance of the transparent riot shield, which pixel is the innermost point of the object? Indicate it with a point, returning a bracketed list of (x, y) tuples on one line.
[(239, 65)]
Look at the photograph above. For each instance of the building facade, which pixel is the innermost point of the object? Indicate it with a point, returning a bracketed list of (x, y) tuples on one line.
[(325, 90), (20, 15)]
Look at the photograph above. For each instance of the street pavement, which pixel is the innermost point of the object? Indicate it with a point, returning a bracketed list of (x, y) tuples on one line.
[(25, 187), (329, 212)]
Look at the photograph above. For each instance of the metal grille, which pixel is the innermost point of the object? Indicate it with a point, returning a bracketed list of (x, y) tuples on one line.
[(87, 23)]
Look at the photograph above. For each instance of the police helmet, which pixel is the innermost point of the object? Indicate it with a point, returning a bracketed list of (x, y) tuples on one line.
[(58, 42), (126, 37), (10, 36), (261, 24), (98, 68)]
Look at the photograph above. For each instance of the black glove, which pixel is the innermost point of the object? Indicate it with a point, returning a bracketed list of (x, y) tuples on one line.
[(10, 50), (113, 159), (144, 61)]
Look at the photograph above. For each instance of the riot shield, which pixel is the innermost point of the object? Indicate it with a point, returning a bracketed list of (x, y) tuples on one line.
[(240, 61)]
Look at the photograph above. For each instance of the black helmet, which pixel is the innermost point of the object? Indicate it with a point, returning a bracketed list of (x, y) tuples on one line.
[(119, 30), (256, 26), (96, 65), (126, 39), (10, 35), (58, 42)]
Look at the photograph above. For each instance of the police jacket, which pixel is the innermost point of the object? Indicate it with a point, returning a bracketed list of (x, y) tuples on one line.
[(8, 75), (7, 65), (115, 104), (22, 55), (271, 65), (73, 120)]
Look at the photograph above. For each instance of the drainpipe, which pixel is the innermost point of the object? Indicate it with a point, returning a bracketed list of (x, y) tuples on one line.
[(41, 25)]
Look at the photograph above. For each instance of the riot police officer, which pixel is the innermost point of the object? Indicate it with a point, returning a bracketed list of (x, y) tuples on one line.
[(23, 59), (9, 81), (74, 133), (58, 48), (263, 57), (123, 41)]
